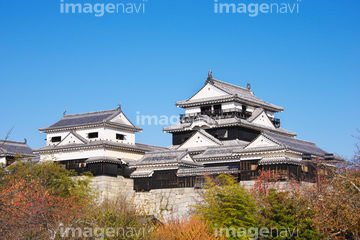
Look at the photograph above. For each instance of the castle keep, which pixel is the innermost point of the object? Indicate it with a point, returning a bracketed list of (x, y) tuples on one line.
[(225, 129)]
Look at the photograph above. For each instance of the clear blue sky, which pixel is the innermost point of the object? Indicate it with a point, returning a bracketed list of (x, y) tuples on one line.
[(306, 62)]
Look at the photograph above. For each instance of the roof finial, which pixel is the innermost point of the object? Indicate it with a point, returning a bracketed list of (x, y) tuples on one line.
[(210, 78), (248, 86), (64, 113), (25, 141), (119, 106)]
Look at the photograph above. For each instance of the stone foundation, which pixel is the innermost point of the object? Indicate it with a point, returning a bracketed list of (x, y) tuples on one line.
[(166, 203), (113, 186), (169, 202)]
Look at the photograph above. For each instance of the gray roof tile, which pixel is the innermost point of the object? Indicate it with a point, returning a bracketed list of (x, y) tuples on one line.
[(167, 157), (102, 143), (240, 94), (12, 148), (296, 144), (91, 118), (200, 171), (223, 122)]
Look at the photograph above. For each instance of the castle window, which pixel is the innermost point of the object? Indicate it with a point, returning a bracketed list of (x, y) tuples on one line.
[(120, 136), (56, 139), (205, 110), (243, 108), (93, 135), (217, 108)]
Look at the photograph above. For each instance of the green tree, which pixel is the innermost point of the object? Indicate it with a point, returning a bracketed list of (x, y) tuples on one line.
[(51, 175), (227, 206), (288, 216)]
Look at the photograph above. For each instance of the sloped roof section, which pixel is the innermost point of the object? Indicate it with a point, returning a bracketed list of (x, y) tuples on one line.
[(236, 93), (227, 122), (201, 171), (138, 147), (91, 118), (296, 144), (166, 157), (11, 148)]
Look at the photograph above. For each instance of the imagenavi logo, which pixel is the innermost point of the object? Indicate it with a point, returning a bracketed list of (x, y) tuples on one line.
[(99, 9), (254, 9)]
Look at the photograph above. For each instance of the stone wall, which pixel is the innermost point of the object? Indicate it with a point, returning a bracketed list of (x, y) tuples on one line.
[(113, 186), (170, 202), (165, 203)]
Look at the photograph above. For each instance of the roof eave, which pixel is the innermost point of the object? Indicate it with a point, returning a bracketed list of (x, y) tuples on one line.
[(270, 107)]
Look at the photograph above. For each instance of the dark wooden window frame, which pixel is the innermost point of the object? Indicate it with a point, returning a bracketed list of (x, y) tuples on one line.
[(56, 139), (93, 135)]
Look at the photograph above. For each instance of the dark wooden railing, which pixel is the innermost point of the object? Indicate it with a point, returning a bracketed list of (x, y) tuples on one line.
[(219, 113)]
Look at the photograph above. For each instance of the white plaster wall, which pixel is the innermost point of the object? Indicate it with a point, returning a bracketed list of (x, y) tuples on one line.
[(190, 110), (61, 134), (231, 105), (207, 91), (107, 133), (104, 133), (198, 140), (270, 114), (3, 160), (123, 154), (76, 154), (250, 109), (264, 120), (94, 152)]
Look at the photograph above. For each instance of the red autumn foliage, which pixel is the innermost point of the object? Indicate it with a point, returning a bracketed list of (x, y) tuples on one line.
[(29, 210)]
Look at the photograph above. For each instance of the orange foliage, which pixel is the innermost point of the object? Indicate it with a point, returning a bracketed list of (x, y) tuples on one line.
[(179, 229), (28, 209)]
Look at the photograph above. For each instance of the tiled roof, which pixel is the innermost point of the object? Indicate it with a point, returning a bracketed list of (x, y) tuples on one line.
[(11, 148), (297, 144), (225, 122), (200, 171), (139, 147), (236, 93), (167, 157), (142, 173), (91, 118), (217, 152), (280, 160), (100, 159)]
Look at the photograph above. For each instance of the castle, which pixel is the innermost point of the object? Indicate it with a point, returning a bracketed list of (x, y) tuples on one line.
[(225, 129)]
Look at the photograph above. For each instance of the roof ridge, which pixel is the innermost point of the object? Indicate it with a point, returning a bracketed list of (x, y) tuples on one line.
[(89, 113), (10, 141), (167, 151), (232, 85)]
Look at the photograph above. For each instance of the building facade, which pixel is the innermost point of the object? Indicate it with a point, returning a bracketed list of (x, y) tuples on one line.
[(102, 143), (9, 150), (227, 129)]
